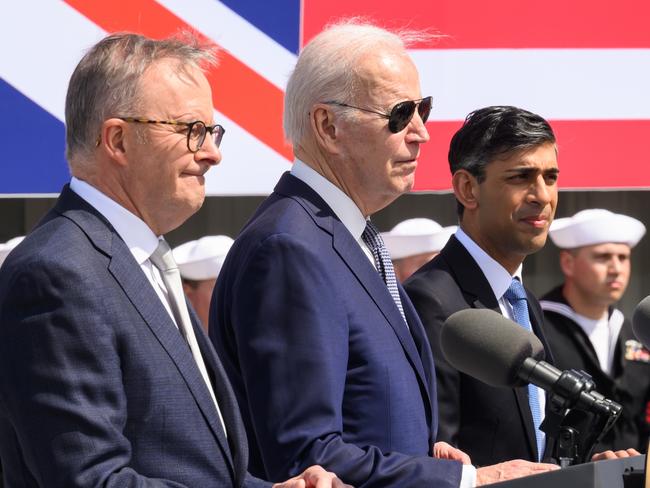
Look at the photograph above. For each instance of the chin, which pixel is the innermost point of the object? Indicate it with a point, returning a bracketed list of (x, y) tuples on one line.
[(406, 183)]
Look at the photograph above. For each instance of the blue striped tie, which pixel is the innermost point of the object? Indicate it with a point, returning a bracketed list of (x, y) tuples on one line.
[(373, 240), (516, 295)]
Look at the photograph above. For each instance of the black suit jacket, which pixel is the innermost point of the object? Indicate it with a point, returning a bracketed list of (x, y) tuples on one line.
[(97, 385), (490, 424)]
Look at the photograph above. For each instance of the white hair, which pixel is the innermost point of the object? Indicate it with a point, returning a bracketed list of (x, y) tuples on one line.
[(327, 68)]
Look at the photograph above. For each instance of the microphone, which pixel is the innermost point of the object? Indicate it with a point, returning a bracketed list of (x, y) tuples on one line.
[(641, 321), (492, 348)]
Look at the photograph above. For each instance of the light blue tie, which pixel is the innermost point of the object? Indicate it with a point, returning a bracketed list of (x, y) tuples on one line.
[(375, 243), (516, 295)]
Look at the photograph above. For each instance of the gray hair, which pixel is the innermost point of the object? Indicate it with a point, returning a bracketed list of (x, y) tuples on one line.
[(327, 68), (106, 81)]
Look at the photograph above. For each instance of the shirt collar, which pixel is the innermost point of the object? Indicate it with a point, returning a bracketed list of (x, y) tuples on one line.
[(496, 275), (342, 205), (137, 235)]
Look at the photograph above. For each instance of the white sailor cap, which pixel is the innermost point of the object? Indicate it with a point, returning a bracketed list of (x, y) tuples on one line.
[(416, 236), (595, 226), (6, 248), (202, 259)]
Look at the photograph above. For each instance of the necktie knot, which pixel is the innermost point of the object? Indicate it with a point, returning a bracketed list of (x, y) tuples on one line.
[(372, 237), (515, 291), (162, 258)]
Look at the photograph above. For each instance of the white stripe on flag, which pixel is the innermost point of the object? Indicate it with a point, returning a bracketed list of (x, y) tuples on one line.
[(569, 84), (242, 39), (39, 50)]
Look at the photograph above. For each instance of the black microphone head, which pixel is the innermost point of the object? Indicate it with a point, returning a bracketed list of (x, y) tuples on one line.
[(641, 321), (488, 346)]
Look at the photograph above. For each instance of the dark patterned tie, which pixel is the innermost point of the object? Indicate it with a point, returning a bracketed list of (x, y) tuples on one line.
[(516, 295), (373, 240)]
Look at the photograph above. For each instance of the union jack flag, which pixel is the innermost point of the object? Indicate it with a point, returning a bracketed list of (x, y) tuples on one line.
[(582, 64)]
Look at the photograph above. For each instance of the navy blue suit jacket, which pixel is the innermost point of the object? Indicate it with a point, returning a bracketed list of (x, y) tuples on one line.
[(323, 366), (97, 386)]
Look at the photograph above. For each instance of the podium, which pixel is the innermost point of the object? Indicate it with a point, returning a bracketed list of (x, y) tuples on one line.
[(601, 474)]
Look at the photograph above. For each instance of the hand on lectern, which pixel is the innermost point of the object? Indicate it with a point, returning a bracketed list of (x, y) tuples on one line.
[(623, 453), (517, 468)]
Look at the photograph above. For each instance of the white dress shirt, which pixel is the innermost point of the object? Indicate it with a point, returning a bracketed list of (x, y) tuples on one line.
[(354, 221), (342, 205), (137, 235), (499, 279)]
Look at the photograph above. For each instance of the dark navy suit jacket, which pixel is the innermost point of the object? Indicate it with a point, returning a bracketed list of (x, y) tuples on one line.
[(322, 363), (97, 386), (490, 424)]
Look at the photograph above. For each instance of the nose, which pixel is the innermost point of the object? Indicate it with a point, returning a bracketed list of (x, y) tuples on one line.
[(417, 130), (209, 152), (541, 192), (615, 265)]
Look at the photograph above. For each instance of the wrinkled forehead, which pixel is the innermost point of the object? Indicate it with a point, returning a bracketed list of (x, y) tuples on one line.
[(170, 82), (387, 73)]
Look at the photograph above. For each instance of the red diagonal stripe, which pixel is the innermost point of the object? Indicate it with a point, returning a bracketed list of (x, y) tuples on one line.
[(237, 91)]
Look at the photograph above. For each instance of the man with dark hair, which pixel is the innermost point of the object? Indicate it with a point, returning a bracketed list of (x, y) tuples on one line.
[(106, 377), (504, 173), (584, 328)]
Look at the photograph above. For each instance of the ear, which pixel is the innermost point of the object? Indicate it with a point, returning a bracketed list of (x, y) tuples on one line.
[(112, 140), (567, 262), (323, 125), (466, 189)]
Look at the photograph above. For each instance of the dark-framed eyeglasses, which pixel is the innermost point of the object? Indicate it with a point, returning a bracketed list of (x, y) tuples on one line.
[(400, 115), (196, 130)]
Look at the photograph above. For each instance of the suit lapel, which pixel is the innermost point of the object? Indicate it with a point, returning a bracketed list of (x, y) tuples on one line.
[(350, 252), (144, 299), (478, 292), (419, 337), (227, 402), (139, 291)]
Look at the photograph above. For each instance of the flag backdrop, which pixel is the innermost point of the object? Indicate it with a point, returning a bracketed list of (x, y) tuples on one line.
[(582, 64)]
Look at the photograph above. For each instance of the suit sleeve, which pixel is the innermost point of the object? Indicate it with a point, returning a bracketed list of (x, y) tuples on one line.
[(60, 380), (432, 311), (292, 343)]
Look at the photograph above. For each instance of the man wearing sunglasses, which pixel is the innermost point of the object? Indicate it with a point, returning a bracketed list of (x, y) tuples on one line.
[(106, 377), (320, 342)]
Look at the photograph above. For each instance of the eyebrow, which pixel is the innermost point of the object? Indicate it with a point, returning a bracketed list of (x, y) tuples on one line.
[(530, 170)]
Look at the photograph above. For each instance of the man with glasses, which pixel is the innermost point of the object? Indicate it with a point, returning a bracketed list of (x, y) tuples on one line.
[(106, 377), (320, 342)]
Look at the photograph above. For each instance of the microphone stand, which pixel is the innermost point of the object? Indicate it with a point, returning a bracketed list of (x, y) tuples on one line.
[(577, 430)]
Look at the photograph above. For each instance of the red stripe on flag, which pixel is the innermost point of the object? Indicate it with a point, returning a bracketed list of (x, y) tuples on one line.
[(237, 91), (592, 154), (472, 24)]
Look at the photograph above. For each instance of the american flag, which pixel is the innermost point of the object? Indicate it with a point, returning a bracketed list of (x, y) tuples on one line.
[(583, 65)]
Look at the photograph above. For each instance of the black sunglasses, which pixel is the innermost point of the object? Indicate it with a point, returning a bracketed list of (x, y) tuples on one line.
[(401, 114)]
